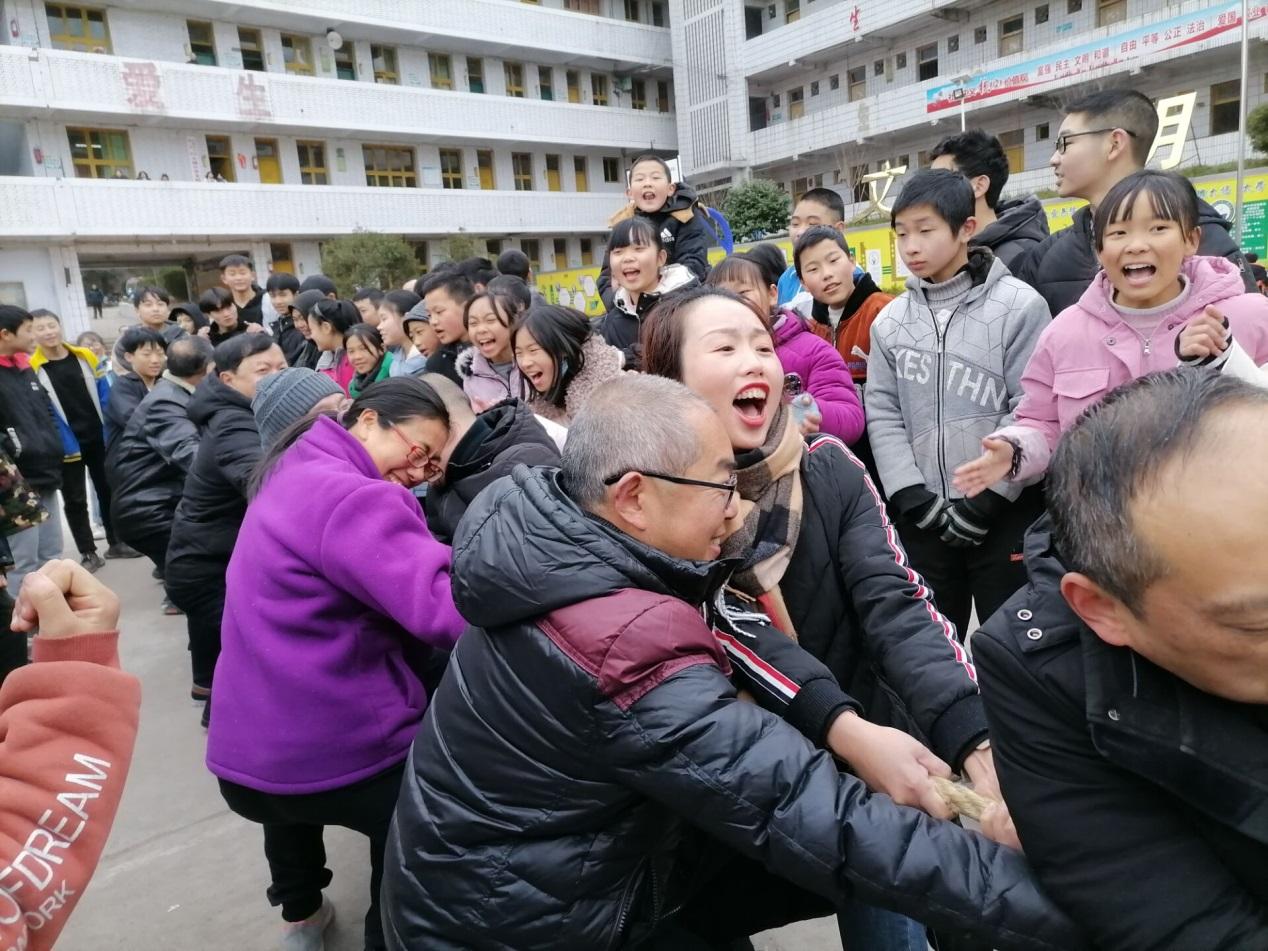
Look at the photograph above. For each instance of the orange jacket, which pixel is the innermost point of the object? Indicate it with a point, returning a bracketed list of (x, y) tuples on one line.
[(854, 333), (68, 725)]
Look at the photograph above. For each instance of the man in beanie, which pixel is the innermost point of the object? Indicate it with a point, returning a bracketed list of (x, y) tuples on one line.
[(418, 328), (283, 399)]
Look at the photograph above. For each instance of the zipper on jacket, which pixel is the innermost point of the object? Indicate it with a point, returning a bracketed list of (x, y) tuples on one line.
[(627, 905), (942, 443)]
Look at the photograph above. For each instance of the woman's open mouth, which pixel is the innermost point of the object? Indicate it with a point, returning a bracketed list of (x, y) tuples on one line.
[(1139, 275), (750, 405)]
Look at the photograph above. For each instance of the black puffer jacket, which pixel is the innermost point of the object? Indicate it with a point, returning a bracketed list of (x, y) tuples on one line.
[(29, 430), (126, 395), (501, 438), (1141, 800), (1018, 227), (1062, 267), (214, 501), (859, 607), (587, 717), (149, 460)]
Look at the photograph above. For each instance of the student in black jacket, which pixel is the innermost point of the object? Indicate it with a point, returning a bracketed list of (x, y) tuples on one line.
[(446, 292), (1104, 138), (1127, 683), (30, 436)]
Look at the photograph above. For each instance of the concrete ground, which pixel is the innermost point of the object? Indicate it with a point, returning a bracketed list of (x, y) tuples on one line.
[(182, 873)]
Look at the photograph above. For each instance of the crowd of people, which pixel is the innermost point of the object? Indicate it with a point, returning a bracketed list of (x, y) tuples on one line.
[(652, 631)]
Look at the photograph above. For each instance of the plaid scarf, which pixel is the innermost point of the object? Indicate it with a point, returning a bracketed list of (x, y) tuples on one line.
[(764, 533)]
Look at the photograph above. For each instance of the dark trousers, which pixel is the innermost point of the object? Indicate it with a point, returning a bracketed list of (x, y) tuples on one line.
[(12, 646), (203, 601), (985, 575), (92, 459), (152, 544), (293, 839)]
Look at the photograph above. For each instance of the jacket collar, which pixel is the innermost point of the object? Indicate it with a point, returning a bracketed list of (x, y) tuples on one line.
[(18, 361), (178, 382), (864, 288)]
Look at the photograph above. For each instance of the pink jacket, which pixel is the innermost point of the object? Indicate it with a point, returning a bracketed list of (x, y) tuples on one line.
[(340, 370), (483, 385), (1088, 350), (823, 373)]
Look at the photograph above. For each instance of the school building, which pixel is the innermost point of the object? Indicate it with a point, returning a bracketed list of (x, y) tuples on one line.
[(827, 92), (167, 133)]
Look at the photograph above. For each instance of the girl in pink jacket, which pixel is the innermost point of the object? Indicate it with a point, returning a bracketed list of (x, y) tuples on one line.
[(1128, 322), (822, 370)]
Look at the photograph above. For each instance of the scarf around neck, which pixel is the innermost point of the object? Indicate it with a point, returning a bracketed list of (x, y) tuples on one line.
[(765, 531)]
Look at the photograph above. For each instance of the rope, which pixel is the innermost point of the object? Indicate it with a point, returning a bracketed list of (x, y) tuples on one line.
[(962, 800)]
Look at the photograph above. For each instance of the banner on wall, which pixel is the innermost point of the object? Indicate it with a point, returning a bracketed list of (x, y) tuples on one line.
[(1114, 50)]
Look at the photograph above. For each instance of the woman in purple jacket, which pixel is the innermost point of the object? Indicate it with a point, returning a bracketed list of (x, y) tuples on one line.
[(823, 373), (337, 595)]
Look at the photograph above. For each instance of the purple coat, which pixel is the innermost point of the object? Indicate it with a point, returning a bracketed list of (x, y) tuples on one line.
[(334, 580), (823, 374)]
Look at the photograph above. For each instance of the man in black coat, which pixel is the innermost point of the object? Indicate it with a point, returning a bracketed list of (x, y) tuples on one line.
[(587, 761), (481, 450), (1127, 684), (214, 500), (1104, 138)]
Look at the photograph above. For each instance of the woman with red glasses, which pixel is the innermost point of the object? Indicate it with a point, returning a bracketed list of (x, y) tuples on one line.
[(338, 598)]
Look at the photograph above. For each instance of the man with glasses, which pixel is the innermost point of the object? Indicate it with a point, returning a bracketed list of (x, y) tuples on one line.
[(587, 777), (1104, 138)]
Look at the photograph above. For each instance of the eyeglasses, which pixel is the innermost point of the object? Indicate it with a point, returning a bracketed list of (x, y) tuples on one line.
[(1063, 140), (416, 457), (728, 486)]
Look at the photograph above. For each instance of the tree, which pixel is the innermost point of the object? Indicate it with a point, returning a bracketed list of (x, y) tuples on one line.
[(1257, 128), (368, 259), (459, 247), (756, 207)]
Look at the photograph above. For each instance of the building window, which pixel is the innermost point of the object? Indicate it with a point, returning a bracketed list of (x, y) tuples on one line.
[(1073, 6), (900, 60), (297, 54), (814, 87), (878, 68), (638, 94), (1014, 145), (953, 43), (220, 157), (658, 13), (1110, 11), (100, 153), (514, 73), (979, 35), (475, 74), (583, 6), (662, 96), (1226, 106), (389, 166), (484, 165), (533, 250), (927, 62), (1041, 132), (268, 161), (450, 168), (599, 89), (384, 59), (1041, 14), (580, 174), (522, 168), (796, 103), (573, 79), (546, 82), (902, 161), (587, 252), (346, 62), (202, 46), (554, 177), (800, 186), (561, 253), (77, 28), (631, 10), (611, 170), (312, 163), (441, 68), (421, 255), (856, 79), (862, 191), (252, 49), (834, 82), (792, 11), (493, 247), (1011, 32)]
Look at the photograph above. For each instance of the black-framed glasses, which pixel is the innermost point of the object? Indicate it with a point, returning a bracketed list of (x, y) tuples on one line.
[(1063, 140), (728, 486)]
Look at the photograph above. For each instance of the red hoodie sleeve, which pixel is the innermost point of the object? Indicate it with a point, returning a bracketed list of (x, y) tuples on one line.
[(68, 725)]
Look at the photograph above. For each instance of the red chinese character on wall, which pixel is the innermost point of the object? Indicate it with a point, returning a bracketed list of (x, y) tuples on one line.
[(253, 98), (854, 18), (143, 86)]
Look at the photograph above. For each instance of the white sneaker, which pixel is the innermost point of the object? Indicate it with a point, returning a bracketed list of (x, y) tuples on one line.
[(98, 532), (309, 934)]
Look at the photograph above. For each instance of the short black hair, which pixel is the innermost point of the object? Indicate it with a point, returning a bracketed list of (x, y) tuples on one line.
[(477, 270), (192, 311), (508, 285), (976, 153), (562, 333), (372, 294), (134, 338), (770, 258), (368, 335), (453, 282), (814, 237), (235, 260), (1125, 109), (214, 298), (515, 262), (1171, 196), (946, 192), (400, 301), (189, 355), (638, 232), (651, 157), (149, 290), (318, 282), (828, 199), (340, 314), (44, 312), (231, 353), (1118, 450), (12, 317), (1252, 257), (281, 281)]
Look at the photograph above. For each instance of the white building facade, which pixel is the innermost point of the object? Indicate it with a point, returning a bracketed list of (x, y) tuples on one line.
[(823, 92), (269, 127)]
